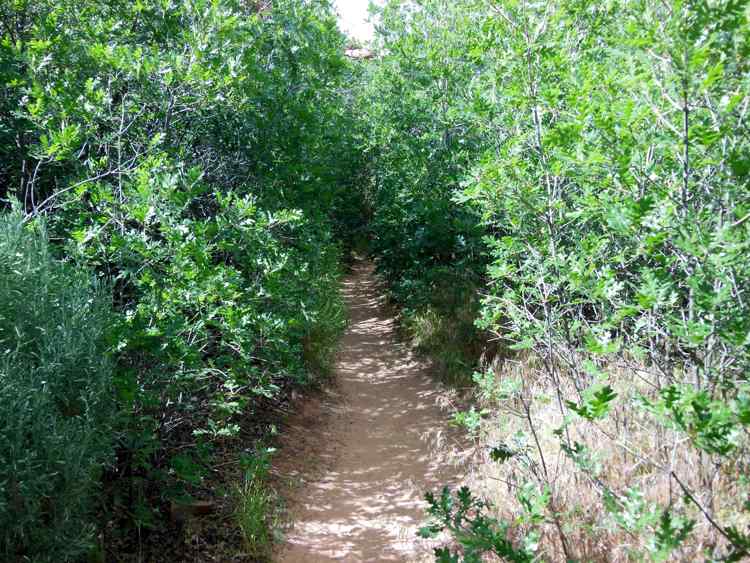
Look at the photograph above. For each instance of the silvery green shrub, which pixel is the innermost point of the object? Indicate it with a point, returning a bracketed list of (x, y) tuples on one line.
[(55, 380)]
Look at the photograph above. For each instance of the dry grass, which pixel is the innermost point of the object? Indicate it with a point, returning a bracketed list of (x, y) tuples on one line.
[(629, 450), (445, 332)]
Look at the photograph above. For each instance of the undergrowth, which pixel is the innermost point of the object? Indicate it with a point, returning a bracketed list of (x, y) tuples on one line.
[(586, 165), (568, 179), (56, 407), (256, 506), (195, 157), (441, 326), (605, 480)]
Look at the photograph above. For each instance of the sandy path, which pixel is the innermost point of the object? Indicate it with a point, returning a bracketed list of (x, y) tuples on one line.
[(365, 453)]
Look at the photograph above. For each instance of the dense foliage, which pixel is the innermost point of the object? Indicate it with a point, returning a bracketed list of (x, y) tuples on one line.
[(55, 397), (600, 152), (419, 146), (192, 154), (569, 179), (419, 142)]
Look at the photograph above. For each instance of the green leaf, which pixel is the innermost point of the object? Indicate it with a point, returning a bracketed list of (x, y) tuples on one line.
[(596, 404)]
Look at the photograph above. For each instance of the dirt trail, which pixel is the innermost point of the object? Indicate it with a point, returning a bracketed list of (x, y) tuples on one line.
[(364, 453)]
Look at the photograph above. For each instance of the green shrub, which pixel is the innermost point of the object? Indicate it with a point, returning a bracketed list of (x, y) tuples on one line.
[(55, 398), (172, 157), (439, 320), (600, 152)]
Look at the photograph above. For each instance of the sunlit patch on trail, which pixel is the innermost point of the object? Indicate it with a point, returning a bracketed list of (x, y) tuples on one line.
[(366, 501)]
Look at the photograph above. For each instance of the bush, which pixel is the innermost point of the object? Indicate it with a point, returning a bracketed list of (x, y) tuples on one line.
[(599, 151), (55, 390)]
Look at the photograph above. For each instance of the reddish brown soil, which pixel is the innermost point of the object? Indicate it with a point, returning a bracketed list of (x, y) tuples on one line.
[(361, 455)]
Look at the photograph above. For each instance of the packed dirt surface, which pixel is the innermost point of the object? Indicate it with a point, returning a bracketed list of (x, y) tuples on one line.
[(363, 453)]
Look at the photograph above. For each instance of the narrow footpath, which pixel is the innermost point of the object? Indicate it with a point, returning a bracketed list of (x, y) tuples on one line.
[(363, 455)]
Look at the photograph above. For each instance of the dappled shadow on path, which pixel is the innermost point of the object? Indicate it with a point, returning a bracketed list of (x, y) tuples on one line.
[(377, 453)]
